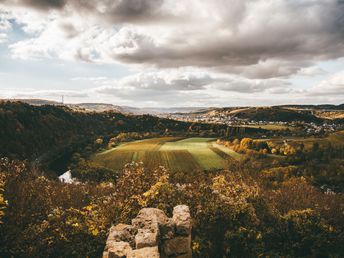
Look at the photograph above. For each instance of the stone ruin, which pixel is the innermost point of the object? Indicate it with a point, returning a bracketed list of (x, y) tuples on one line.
[(152, 235)]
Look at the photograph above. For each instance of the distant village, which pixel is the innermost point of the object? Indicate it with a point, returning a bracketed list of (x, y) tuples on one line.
[(297, 128)]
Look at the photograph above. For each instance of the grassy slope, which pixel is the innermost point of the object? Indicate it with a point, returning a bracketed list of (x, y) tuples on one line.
[(142, 150), (228, 151), (198, 148)]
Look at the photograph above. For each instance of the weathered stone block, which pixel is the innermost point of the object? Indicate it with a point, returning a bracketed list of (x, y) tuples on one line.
[(167, 229), (182, 220), (122, 232), (147, 252), (146, 238), (149, 216), (118, 249), (152, 231), (176, 246)]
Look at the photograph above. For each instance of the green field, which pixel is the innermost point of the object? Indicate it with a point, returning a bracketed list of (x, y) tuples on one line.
[(173, 153)]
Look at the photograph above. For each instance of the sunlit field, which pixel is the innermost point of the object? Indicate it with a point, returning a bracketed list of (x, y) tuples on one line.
[(173, 153)]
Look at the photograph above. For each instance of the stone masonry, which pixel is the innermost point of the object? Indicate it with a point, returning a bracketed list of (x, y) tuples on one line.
[(152, 235)]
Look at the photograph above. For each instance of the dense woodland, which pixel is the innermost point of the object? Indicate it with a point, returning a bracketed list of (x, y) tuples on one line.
[(287, 203)]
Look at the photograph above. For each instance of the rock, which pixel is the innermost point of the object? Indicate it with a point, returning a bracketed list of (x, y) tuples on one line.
[(167, 230), (146, 238), (176, 246), (182, 220), (118, 249), (152, 232), (122, 232), (147, 252), (147, 216)]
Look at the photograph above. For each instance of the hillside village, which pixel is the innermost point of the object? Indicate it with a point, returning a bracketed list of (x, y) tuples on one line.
[(297, 127)]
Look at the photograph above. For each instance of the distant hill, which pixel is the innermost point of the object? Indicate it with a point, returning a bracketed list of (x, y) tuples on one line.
[(35, 102), (275, 114), (317, 107), (96, 107), (101, 107), (162, 110), (88, 107), (270, 114)]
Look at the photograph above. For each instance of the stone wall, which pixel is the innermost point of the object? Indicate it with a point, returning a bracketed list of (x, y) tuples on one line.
[(152, 235)]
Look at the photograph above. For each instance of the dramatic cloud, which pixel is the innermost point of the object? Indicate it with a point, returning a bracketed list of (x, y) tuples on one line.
[(41, 4), (111, 10), (255, 39), (191, 51)]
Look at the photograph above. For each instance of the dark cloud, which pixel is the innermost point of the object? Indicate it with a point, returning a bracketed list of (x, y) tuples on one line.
[(280, 39), (111, 10), (134, 10), (39, 4), (69, 29)]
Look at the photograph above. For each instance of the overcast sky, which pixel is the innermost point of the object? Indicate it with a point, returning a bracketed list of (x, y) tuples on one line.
[(156, 53)]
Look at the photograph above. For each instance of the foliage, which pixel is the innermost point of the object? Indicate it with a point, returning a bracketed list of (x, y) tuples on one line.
[(259, 207), (3, 202)]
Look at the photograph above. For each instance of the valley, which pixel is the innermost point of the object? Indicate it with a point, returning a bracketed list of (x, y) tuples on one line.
[(243, 172)]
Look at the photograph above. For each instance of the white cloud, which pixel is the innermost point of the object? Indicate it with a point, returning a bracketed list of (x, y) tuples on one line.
[(311, 71), (184, 80), (3, 38), (332, 86), (5, 17)]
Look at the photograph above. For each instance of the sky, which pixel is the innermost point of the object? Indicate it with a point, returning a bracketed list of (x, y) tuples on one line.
[(173, 53)]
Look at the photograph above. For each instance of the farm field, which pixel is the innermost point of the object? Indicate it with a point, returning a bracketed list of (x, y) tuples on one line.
[(174, 153)]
